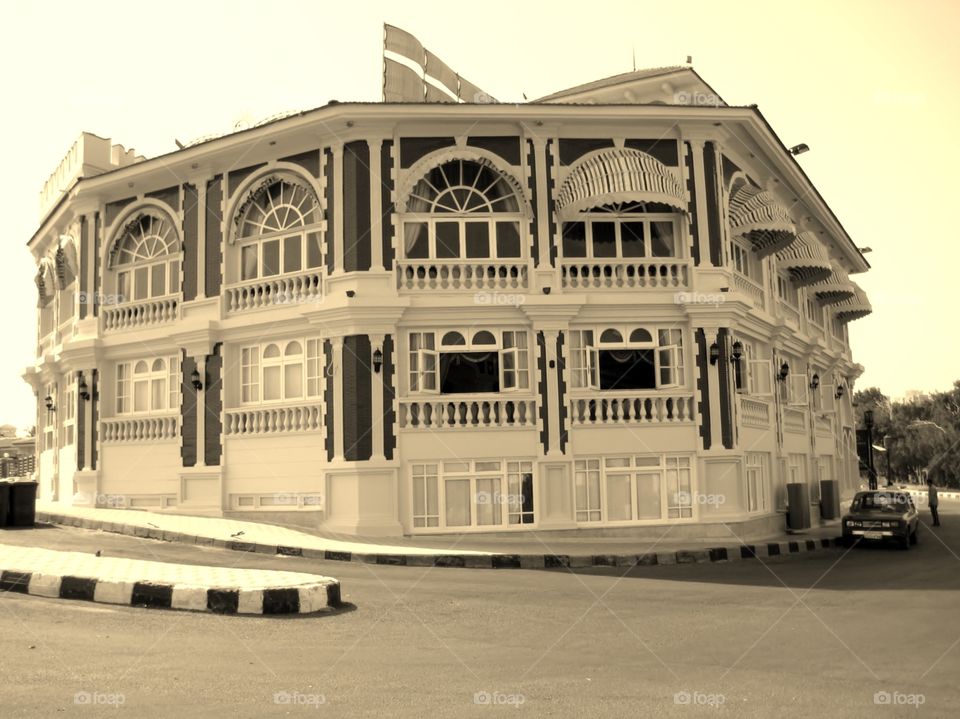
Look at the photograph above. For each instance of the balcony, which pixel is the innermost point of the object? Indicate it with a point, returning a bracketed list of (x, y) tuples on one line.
[(466, 412), (136, 315), (291, 289), (258, 421), (754, 292), (467, 275), (754, 412), (632, 409), (794, 420), (789, 313), (617, 274), (141, 429)]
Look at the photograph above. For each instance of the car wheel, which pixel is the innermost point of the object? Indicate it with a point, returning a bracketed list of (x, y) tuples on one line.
[(913, 536), (905, 541)]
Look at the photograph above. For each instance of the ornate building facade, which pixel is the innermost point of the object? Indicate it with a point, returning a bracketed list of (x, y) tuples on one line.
[(618, 306)]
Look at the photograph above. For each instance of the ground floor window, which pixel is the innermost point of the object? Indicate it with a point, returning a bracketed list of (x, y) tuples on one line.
[(758, 474), (478, 493), (796, 468), (68, 403), (633, 488)]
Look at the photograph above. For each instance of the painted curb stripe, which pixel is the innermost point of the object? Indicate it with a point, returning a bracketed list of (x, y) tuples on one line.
[(281, 601), (15, 582), (223, 601), (148, 594), (78, 588)]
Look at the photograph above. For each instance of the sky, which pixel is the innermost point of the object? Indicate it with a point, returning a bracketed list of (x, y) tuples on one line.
[(871, 87)]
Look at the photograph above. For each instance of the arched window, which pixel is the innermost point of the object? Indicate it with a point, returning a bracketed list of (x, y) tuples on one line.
[(649, 360), (278, 229), (463, 209), (147, 259), (276, 372), (492, 361), (148, 385)]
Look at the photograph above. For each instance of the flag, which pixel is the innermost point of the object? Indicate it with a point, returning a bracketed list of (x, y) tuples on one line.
[(441, 72), (435, 94), (468, 92), (401, 83), (402, 43)]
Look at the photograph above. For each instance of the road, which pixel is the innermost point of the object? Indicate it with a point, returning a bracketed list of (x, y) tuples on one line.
[(815, 635)]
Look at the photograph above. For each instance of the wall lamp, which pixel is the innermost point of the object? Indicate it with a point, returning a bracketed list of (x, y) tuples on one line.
[(48, 401), (783, 373), (839, 393), (815, 381), (736, 352), (83, 390), (377, 360), (714, 353), (868, 418), (799, 149), (195, 380)]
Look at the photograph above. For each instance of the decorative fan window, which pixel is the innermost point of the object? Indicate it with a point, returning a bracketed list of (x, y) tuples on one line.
[(463, 209), (278, 229), (623, 230), (147, 259)]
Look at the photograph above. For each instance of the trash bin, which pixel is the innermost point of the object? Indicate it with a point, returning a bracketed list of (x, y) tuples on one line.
[(4, 503), (23, 504), (798, 506), (830, 499)]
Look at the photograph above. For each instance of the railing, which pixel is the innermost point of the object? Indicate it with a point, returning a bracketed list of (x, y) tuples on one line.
[(750, 288), (823, 424), (467, 413), (789, 313), (275, 291), (140, 314), (610, 275), (794, 420), (754, 412), (488, 275), (632, 409), (141, 429), (272, 420)]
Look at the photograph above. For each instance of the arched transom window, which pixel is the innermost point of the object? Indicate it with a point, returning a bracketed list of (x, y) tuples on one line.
[(278, 229), (463, 209), (147, 259), (626, 358)]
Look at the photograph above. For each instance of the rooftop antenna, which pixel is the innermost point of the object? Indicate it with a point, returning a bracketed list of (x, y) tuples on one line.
[(689, 59), (634, 59)]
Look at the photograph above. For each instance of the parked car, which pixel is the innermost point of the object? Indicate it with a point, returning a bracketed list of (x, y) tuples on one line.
[(881, 515)]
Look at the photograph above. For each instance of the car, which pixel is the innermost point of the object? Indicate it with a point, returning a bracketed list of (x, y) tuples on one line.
[(881, 515)]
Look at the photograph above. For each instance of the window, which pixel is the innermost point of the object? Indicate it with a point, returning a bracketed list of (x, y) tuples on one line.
[(147, 260), (463, 209), (633, 488), (148, 385), (756, 373), (797, 387), (481, 493), (279, 230), (67, 406), (796, 468), (49, 419), (627, 358), (814, 310), (474, 361), (745, 262), (756, 464), (621, 231), (787, 291), (281, 371)]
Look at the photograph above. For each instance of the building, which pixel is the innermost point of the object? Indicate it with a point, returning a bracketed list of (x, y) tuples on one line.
[(17, 455), (622, 305)]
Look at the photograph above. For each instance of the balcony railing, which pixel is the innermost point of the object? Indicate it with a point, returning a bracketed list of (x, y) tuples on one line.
[(273, 420), (823, 424), (631, 409), (751, 289), (790, 313), (754, 412), (794, 420), (465, 275), (667, 274), (158, 310), (467, 413), (141, 429), (275, 291)]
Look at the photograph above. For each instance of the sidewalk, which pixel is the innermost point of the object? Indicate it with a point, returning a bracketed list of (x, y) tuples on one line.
[(533, 550), (139, 583)]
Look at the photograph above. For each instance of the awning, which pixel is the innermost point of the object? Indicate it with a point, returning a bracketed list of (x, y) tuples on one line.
[(853, 308), (619, 175), (836, 288), (807, 260), (756, 215)]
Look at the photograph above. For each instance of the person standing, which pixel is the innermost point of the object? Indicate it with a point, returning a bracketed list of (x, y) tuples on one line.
[(933, 501)]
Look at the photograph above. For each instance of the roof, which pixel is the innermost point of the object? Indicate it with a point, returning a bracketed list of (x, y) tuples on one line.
[(613, 80)]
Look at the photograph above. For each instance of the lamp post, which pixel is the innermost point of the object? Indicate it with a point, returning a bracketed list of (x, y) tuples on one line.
[(871, 470)]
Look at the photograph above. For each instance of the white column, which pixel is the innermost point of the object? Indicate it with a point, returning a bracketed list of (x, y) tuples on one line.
[(338, 210), (337, 345), (376, 400), (376, 215), (700, 193), (202, 239), (543, 215), (87, 405), (201, 411), (553, 392)]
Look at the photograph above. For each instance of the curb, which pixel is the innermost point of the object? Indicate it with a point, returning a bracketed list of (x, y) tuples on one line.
[(940, 495), (707, 555)]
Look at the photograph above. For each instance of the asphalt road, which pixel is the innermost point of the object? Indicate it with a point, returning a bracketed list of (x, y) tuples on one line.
[(818, 635)]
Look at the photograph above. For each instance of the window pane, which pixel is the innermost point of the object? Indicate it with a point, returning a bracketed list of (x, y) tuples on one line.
[(140, 390), (618, 497), (140, 283), (123, 279), (631, 239), (488, 501), (574, 239), (604, 239), (173, 283), (478, 239), (271, 258), (661, 239), (271, 383), (448, 240), (458, 502), (248, 262), (416, 245), (627, 369), (508, 239), (293, 380), (313, 249), (648, 496), (158, 390), (158, 285), (292, 249)]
